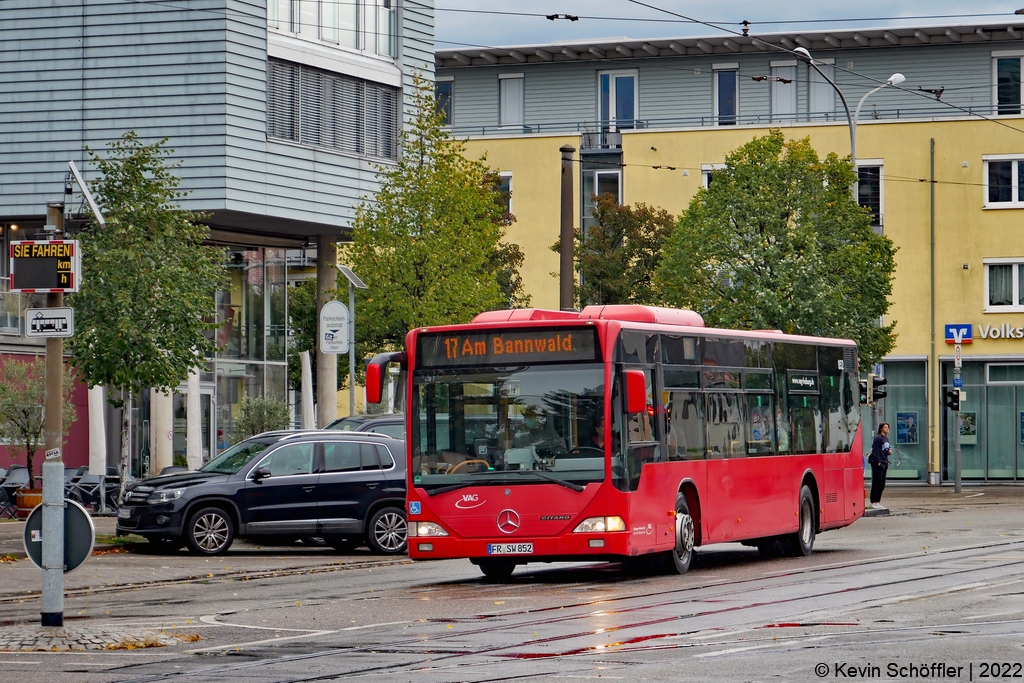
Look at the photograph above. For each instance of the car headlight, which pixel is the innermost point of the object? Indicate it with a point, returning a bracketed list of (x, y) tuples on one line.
[(165, 496), (599, 525), (426, 529)]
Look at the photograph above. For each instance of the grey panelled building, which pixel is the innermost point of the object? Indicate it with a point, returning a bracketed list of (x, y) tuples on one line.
[(277, 110)]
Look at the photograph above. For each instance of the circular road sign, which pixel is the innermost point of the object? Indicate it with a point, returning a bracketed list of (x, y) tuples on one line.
[(79, 536)]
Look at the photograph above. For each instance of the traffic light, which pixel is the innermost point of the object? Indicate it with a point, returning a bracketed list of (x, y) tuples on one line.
[(876, 393), (863, 392), (953, 399)]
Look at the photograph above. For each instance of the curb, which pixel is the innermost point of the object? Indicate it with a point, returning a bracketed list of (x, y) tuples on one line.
[(21, 554)]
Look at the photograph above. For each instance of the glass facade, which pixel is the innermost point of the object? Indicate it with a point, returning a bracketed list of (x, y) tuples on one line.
[(906, 411), (992, 422), (252, 313)]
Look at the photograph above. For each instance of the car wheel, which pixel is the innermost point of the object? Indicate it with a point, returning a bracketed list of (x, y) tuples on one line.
[(497, 570), (209, 531), (388, 531), (801, 543), (344, 544)]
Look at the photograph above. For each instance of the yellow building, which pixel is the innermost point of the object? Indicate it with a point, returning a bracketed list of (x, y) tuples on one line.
[(652, 119)]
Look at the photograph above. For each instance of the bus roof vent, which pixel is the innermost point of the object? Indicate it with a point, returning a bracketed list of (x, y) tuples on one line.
[(643, 314), (524, 314)]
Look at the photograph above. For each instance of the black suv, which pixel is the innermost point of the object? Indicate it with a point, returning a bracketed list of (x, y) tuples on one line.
[(392, 424), (347, 488)]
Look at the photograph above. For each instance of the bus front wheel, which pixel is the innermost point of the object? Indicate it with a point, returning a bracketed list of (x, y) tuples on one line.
[(497, 570), (802, 542), (682, 555)]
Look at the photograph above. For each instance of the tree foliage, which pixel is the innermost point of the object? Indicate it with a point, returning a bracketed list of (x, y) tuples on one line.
[(429, 243), (616, 259), (260, 414), (777, 241), (22, 399), (145, 310)]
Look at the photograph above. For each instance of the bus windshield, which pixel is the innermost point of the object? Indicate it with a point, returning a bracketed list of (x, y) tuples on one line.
[(494, 426)]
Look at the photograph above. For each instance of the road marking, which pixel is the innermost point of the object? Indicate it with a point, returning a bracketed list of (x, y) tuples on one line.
[(997, 614), (250, 643), (760, 647), (17, 661)]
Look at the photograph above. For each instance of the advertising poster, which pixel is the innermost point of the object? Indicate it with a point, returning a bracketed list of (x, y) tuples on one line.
[(906, 428), (968, 429)]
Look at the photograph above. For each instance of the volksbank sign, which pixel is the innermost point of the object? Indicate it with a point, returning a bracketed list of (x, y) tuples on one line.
[(963, 333)]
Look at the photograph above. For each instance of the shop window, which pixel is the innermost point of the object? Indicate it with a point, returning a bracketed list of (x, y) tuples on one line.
[(1004, 289)]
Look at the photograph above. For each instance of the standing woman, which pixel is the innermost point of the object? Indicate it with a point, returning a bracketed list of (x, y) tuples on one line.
[(879, 459)]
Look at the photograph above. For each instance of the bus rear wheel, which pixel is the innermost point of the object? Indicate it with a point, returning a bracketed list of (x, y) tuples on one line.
[(497, 570), (801, 544), (681, 557)]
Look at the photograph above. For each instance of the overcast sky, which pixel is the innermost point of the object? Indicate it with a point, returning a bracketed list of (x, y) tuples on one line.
[(618, 18)]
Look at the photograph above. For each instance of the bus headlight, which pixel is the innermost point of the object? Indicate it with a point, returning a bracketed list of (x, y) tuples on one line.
[(426, 529), (599, 525)]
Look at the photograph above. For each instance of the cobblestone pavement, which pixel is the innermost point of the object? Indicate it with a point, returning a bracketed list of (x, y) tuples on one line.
[(34, 638)]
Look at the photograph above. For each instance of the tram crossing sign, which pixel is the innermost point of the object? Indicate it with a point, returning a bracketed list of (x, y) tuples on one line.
[(50, 322), (39, 266)]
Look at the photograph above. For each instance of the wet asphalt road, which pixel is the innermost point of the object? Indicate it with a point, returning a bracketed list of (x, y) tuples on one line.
[(935, 591)]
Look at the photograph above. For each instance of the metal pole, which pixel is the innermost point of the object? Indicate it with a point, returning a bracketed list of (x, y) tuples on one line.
[(351, 349), (565, 271), (53, 467), (935, 390), (956, 451), (326, 363), (851, 121)]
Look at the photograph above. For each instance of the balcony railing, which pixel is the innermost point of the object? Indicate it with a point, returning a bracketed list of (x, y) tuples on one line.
[(608, 134)]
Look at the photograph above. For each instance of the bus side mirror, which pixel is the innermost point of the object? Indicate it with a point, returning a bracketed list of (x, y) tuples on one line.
[(636, 392), (375, 374)]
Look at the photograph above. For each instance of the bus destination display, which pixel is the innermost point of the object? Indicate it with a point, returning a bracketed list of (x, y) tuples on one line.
[(500, 347), (45, 266)]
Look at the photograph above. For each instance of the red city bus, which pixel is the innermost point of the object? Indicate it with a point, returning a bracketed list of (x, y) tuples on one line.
[(623, 432)]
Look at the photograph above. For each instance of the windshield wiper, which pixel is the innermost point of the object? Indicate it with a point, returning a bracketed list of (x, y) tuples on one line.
[(498, 480), (545, 475)]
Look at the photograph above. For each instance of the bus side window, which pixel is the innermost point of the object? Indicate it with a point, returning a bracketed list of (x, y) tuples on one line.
[(685, 415), (726, 429), (833, 416)]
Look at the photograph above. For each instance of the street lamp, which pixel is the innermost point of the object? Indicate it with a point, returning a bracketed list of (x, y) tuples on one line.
[(804, 56)]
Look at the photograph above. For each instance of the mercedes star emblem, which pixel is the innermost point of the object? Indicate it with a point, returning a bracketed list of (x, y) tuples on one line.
[(508, 521)]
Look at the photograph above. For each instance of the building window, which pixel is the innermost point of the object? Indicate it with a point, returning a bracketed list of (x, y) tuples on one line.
[(443, 91), (510, 99), (726, 96), (595, 184), (1003, 287), (505, 188), (869, 191), (707, 173), (821, 97), (617, 108), (1004, 182), (368, 25), (325, 109), (783, 91), (1007, 85)]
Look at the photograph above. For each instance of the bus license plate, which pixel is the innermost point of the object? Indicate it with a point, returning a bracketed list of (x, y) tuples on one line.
[(509, 548)]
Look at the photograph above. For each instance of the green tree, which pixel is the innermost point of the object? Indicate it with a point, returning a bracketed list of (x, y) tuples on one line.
[(22, 398), (777, 241), (145, 312), (428, 243), (616, 259), (259, 414)]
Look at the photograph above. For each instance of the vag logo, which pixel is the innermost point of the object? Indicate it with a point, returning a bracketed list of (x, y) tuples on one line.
[(468, 501)]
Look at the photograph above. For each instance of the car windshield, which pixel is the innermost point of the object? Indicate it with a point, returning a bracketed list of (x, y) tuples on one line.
[(528, 424), (238, 456)]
